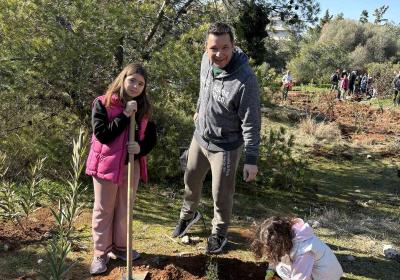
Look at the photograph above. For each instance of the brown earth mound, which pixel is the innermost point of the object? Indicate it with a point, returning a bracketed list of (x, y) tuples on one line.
[(35, 228), (194, 268)]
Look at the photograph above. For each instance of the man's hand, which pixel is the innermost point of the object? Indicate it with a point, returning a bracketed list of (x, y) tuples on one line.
[(249, 172)]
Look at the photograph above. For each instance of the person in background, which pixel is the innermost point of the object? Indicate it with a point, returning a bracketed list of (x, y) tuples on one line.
[(396, 85), (352, 80), (344, 86), (364, 84), (335, 78), (287, 82)]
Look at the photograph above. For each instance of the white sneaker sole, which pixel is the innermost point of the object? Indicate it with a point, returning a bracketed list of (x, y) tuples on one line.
[(135, 256), (195, 220), (101, 271), (219, 250)]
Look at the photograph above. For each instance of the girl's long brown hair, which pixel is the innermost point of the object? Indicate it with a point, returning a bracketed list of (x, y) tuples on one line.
[(273, 239), (117, 88)]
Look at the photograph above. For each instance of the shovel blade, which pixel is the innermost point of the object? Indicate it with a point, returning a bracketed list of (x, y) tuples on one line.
[(137, 275)]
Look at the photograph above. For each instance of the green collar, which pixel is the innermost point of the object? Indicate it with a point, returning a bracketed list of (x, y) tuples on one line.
[(216, 71)]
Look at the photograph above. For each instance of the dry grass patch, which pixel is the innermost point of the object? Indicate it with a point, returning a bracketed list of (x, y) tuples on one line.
[(384, 229), (392, 148), (311, 132)]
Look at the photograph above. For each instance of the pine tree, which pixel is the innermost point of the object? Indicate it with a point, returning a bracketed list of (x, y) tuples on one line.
[(364, 16), (378, 14)]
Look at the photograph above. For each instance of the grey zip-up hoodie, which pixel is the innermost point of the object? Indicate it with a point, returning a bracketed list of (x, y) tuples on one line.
[(229, 108)]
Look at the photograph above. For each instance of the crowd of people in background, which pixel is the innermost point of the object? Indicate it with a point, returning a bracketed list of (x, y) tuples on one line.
[(349, 84), (359, 84), (352, 83)]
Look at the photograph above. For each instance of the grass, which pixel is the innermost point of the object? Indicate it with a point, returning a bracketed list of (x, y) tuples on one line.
[(311, 87), (386, 102), (356, 202)]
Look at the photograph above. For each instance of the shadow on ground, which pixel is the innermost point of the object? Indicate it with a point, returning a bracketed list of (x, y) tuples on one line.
[(369, 267)]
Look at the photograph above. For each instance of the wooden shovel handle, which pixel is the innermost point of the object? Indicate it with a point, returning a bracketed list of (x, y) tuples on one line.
[(132, 127)]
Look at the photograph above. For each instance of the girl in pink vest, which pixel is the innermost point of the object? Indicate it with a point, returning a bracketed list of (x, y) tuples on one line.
[(344, 86), (108, 159), (294, 252)]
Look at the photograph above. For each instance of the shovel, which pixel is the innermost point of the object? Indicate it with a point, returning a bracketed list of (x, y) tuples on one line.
[(128, 275)]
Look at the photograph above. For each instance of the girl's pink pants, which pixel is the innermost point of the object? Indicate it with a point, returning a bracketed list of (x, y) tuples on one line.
[(109, 220)]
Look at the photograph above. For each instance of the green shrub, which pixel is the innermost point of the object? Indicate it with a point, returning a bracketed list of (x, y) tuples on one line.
[(281, 169), (383, 75)]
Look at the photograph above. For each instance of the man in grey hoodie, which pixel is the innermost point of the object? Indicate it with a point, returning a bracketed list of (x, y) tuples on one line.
[(227, 119)]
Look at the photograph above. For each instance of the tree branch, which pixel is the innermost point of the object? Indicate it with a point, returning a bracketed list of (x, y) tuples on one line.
[(157, 23), (183, 10), (160, 41)]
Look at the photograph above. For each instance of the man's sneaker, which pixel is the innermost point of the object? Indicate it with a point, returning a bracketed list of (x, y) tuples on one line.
[(99, 264), (215, 243), (118, 254), (183, 225)]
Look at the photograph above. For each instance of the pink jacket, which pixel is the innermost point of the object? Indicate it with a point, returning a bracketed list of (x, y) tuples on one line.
[(309, 258), (344, 83), (106, 161)]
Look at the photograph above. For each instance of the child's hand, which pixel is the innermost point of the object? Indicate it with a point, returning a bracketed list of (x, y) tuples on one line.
[(133, 148), (130, 107), (269, 275)]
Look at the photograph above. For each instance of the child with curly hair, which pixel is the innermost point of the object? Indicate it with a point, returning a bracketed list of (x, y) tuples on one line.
[(291, 247)]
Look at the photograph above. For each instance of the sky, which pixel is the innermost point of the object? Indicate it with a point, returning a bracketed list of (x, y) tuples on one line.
[(352, 8)]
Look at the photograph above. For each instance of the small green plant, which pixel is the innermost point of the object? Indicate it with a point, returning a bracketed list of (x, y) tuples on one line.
[(30, 194), (360, 117), (57, 253), (66, 213), (69, 207), (212, 270), (8, 195), (3, 167), (72, 203), (9, 203), (283, 169), (329, 101)]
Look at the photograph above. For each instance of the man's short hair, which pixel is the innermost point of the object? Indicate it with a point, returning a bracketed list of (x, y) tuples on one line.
[(220, 28)]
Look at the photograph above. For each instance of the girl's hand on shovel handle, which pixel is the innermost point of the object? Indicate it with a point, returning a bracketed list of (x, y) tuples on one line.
[(130, 108), (133, 148)]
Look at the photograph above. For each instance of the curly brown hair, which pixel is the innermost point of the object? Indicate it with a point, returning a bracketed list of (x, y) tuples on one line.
[(273, 239)]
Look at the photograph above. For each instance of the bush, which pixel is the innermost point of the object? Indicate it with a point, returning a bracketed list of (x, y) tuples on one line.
[(316, 62), (345, 44), (281, 168), (269, 82), (175, 89), (383, 75), (175, 130)]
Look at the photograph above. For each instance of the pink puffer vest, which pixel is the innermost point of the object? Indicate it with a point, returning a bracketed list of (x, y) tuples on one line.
[(106, 161)]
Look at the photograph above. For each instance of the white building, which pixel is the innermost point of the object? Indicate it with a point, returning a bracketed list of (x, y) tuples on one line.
[(278, 30)]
